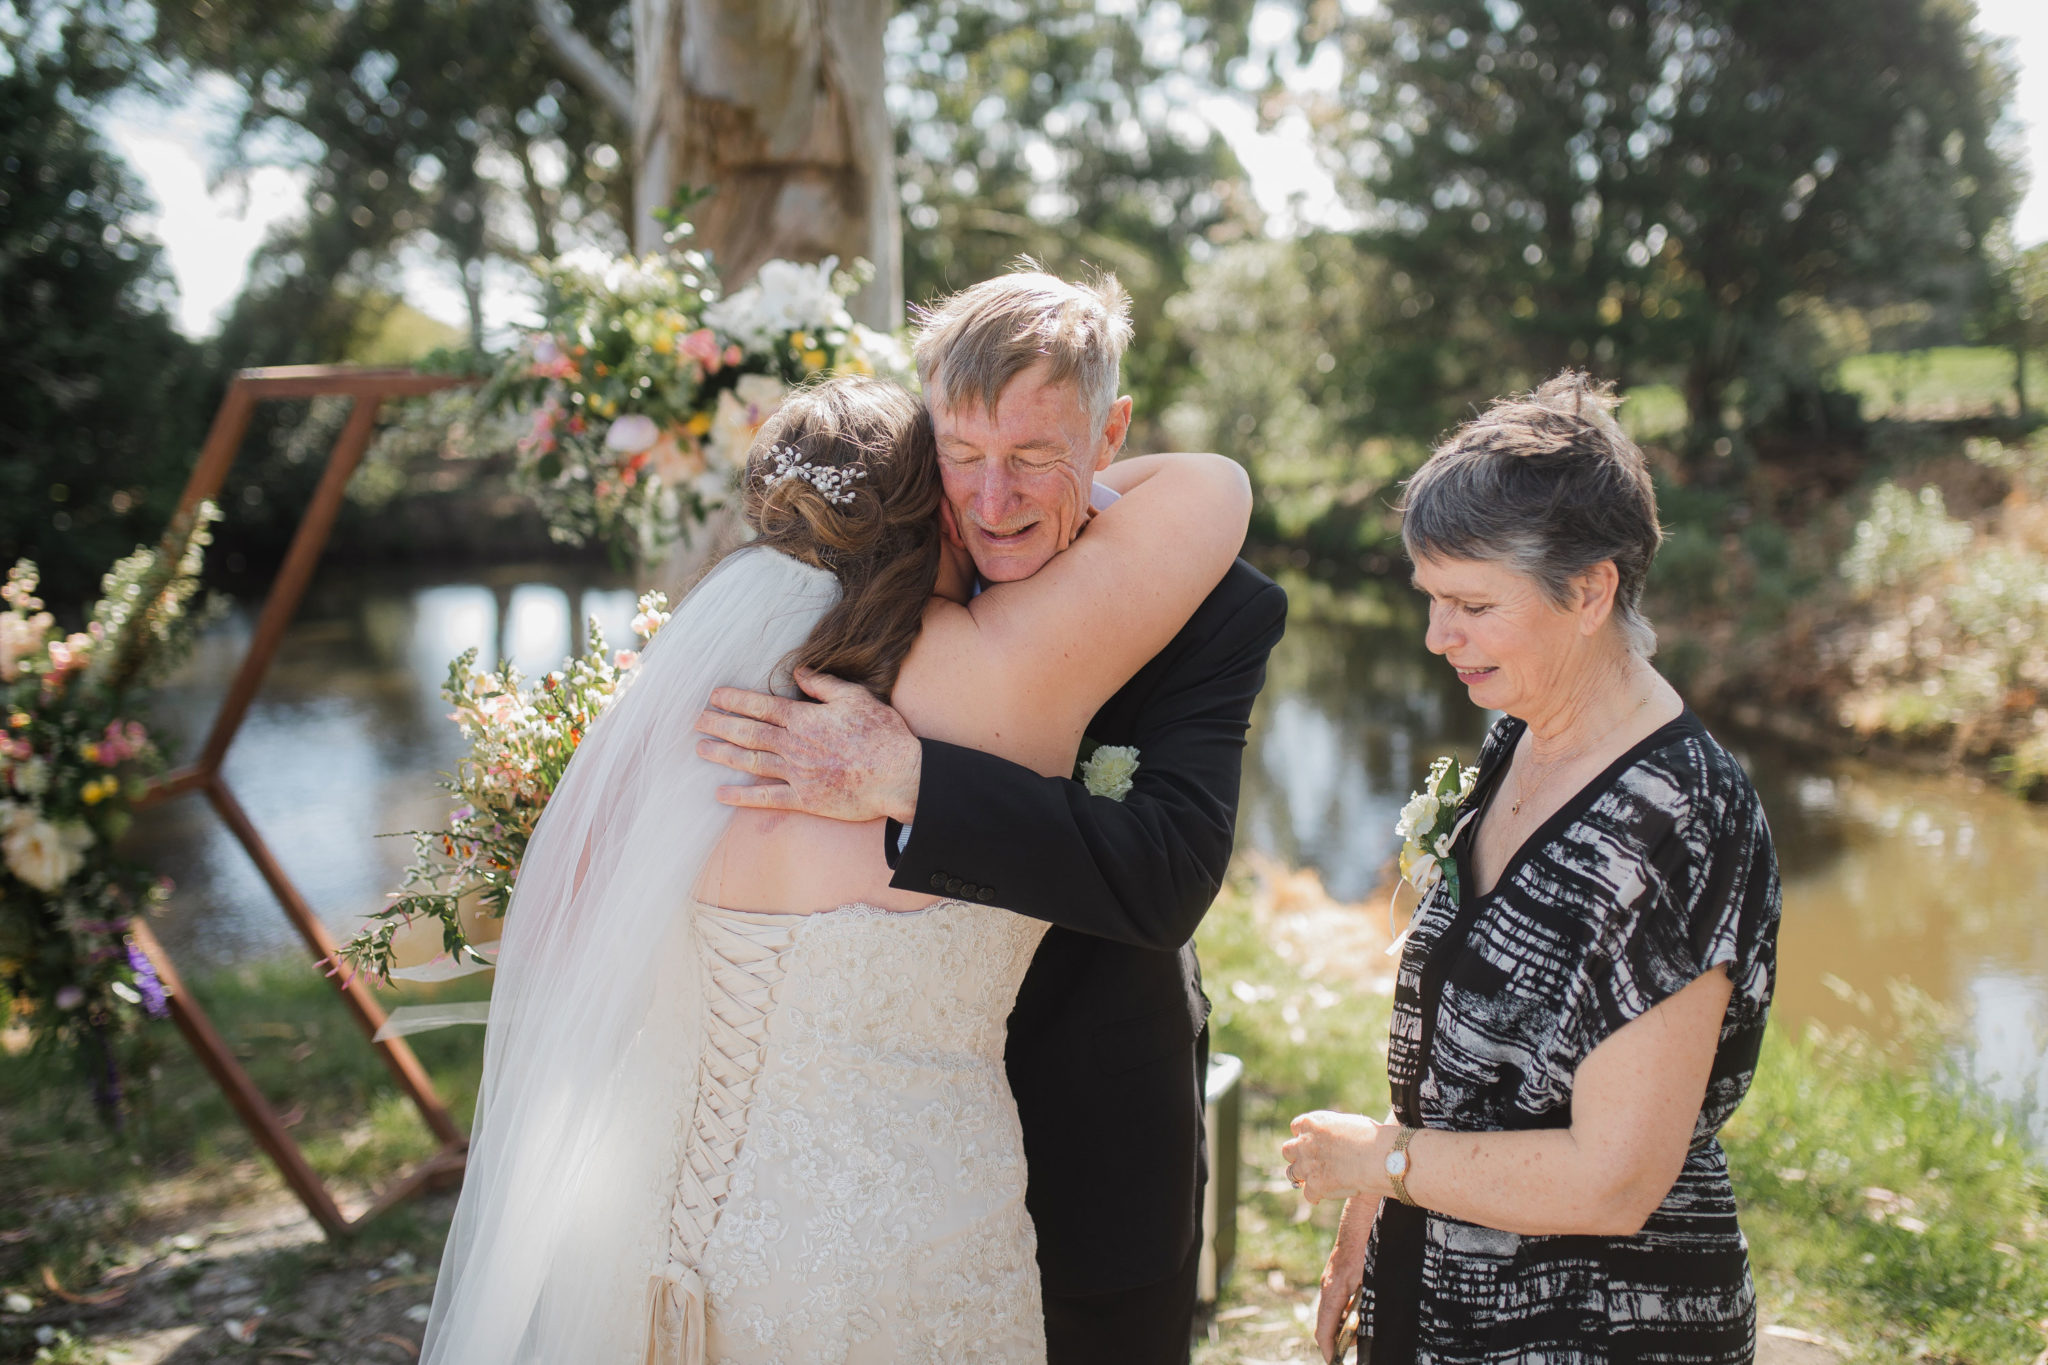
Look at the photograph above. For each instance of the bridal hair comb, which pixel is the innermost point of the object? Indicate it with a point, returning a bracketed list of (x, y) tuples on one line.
[(834, 483)]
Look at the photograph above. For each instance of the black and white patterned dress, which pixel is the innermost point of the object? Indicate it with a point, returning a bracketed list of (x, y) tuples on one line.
[(1658, 870)]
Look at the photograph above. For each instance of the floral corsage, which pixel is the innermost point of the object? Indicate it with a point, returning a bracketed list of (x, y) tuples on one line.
[(1428, 825), (1106, 769)]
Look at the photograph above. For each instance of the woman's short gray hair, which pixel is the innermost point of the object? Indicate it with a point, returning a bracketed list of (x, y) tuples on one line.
[(1549, 485), (970, 346)]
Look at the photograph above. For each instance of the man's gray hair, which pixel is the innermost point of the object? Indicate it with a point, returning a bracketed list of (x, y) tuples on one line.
[(970, 346), (1548, 484)]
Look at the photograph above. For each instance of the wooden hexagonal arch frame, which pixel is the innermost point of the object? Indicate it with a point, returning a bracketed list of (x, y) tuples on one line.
[(368, 387)]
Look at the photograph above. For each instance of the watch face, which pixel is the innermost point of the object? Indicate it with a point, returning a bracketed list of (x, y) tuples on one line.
[(1397, 1163)]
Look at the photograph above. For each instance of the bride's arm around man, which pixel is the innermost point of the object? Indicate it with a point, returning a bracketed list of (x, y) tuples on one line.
[(1110, 1029)]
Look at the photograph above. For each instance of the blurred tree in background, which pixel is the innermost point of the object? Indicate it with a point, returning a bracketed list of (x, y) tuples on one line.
[(102, 395), (1072, 133), (2018, 315), (1645, 186), (1712, 201), (444, 123)]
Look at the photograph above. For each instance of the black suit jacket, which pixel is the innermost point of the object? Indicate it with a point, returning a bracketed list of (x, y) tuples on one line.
[(1111, 1022)]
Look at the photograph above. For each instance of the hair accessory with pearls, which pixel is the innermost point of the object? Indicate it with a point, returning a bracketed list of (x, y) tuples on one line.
[(834, 483)]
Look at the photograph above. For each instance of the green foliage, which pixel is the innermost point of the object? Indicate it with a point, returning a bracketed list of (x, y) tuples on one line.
[(440, 122), (1905, 536), (1065, 130), (521, 741), (1641, 186), (76, 1185), (1957, 648), (1884, 1200), (103, 397), (1886, 1206), (1288, 360)]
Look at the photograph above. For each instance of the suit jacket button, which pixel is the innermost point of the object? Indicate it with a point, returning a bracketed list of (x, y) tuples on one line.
[(985, 894), (938, 881), (953, 885)]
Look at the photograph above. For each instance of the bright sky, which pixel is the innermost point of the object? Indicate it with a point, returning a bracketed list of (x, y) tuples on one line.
[(209, 232)]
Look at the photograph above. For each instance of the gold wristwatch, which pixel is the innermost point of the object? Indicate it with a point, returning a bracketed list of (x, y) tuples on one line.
[(1397, 1164)]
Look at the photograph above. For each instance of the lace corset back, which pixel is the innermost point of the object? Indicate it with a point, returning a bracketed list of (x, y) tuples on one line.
[(851, 1184)]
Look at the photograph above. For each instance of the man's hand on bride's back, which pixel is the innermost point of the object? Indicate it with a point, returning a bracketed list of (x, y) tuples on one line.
[(845, 756)]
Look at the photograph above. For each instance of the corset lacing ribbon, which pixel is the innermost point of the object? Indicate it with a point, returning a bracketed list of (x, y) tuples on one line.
[(742, 956)]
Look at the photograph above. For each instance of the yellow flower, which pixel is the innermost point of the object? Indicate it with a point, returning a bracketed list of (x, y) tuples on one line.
[(18, 721), (859, 364), (699, 423), (89, 751), (814, 360), (801, 341), (664, 343)]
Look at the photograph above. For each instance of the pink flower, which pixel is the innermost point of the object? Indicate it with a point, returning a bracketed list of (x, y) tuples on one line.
[(70, 653), (625, 659), (702, 347), (501, 709), (733, 354), (69, 998), (550, 361), (631, 434)]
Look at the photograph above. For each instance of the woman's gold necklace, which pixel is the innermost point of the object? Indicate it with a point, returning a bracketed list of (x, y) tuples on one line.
[(1529, 789)]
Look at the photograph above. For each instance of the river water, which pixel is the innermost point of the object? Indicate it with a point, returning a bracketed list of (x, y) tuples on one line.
[(1936, 881)]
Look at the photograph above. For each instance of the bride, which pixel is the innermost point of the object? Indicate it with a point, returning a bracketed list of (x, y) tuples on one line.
[(742, 1101)]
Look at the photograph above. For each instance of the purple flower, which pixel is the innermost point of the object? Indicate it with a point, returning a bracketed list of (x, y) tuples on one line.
[(69, 997), (152, 990)]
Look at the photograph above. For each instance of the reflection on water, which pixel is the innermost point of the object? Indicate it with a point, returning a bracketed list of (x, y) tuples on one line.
[(1887, 875), (344, 742)]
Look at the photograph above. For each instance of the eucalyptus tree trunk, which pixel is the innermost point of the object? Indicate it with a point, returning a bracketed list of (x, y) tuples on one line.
[(776, 107)]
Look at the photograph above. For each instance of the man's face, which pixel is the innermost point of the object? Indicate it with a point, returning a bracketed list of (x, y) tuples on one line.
[(1018, 478)]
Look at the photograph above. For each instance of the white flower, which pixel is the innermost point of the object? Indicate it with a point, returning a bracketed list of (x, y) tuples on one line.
[(884, 352), (631, 434), (18, 1302), (1109, 770), (42, 854), (32, 777), (20, 636), (741, 411), (785, 297)]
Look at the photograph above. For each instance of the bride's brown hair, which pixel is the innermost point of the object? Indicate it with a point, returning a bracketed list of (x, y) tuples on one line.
[(874, 524)]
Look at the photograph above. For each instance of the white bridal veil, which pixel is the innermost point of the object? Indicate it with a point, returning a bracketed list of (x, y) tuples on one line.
[(590, 1062)]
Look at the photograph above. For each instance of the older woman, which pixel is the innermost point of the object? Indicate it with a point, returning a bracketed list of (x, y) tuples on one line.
[(1576, 1022)]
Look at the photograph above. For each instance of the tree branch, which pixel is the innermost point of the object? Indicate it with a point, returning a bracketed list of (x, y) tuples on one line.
[(589, 66)]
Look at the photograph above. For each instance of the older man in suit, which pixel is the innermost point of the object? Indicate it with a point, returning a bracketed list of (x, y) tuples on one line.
[(1109, 1038)]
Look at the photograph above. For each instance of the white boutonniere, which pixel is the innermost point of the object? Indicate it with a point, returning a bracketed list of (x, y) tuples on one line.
[(1106, 769), (1428, 826)]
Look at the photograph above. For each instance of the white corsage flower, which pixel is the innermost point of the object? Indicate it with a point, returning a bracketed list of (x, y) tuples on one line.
[(1108, 771), (1427, 829)]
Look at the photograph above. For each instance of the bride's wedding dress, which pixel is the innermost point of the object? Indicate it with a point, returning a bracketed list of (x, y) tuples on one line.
[(851, 1184), (712, 1135)]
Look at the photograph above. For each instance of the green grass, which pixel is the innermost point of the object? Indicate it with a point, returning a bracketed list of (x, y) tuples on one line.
[(83, 1194), (1844, 1147), (1941, 382), (1652, 412), (1886, 1209)]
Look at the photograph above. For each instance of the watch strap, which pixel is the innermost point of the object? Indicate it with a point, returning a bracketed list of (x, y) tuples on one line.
[(1400, 1182)]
